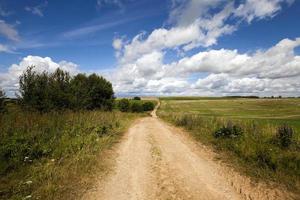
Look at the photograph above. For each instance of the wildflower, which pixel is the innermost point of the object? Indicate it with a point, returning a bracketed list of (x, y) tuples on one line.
[(28, 197), (28, 182)]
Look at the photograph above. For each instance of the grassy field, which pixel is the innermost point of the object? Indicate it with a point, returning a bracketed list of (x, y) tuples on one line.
[(257, 148), (54, 155)]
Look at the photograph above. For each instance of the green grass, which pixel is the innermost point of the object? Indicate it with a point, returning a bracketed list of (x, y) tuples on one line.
[(256, 151), (54, 155)]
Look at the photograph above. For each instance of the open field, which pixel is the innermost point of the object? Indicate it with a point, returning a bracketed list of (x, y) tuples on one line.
[(257, 150), (55, 155)]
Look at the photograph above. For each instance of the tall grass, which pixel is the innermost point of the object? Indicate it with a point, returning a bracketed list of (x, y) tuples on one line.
[(47, 156), (256, 149)]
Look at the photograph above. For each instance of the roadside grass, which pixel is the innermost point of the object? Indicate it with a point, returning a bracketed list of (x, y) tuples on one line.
[(54, 155), (256, 152)]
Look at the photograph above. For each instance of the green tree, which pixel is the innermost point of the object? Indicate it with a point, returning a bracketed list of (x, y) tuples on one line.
[(60, 90), (34, 90), (2, 99), (124, 105), (101, 94), (79, 91)]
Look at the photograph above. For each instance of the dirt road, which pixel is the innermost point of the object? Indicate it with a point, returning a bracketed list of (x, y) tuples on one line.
[(158, 161)]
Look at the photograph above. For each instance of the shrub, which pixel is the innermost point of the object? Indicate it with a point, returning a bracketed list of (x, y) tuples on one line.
[(124, 105), (148, 106), (137, 107), (137, 98), (284, 135), (2, 99), (264, 158), (229, 131)]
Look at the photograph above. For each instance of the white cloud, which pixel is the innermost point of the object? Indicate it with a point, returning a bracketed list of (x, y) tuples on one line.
[(9, 80), (9, 31), (198, 23), (252, 9), (6, 49), (37, 10), (117, 44), (117, 3), (275, 70)]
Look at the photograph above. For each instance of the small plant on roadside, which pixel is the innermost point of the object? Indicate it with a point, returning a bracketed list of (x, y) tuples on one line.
[(284, 136), (264, 158), (229, 131)]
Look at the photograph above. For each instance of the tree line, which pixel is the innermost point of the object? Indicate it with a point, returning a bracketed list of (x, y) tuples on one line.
[(58, 90)]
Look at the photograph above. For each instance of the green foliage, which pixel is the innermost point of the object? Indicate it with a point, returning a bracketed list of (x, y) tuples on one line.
[(2, 99), (127, 105), (284, 135), (148, 106), (228, 131), (58, 90), (137, 107), (124, 105), (137, 98)]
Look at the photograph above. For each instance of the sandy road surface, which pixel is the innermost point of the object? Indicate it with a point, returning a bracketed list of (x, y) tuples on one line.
[(157, 161)]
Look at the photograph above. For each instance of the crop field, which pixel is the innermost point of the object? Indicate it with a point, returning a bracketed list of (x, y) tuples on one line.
[(273, 111), (257, 145)]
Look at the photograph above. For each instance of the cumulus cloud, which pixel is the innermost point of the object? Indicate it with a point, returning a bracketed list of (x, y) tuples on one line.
[(200, 24), (276, 69), (9, 80), (8, 31)]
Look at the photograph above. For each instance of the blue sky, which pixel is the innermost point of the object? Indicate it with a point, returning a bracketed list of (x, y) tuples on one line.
[(98, 36), (47, 35)]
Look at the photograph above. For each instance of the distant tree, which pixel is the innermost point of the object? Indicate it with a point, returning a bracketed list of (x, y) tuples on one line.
[(148, 106), (137, 98), (2, 99), (137, 107), (279, 97), (124, 105)]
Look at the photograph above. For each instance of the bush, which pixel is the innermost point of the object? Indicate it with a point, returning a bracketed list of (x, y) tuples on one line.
[(284, 135), (148, 106), (264, 158), (137, 107), (229, 131), (2, 99), (124, 105), (137, 98)]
